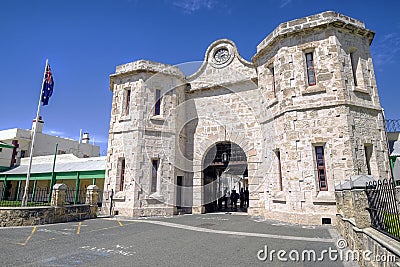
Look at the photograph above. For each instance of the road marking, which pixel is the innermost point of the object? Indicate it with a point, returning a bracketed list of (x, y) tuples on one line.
[(120, 223), (213, 218), (54, 231), (29, 237), (66, 233), (78, 231), (119, 250), (199, 229)]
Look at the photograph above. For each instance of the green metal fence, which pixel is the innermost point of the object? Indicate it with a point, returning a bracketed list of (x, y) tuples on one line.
[(36, 197)]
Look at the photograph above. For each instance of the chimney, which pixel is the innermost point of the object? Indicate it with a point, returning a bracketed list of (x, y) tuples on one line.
[(85, 138), (39, 125)]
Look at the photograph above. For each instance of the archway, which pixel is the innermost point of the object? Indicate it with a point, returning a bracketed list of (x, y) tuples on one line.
[(225, 174)]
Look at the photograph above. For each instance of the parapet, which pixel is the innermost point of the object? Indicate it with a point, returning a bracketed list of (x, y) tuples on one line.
[(148, 66), (317, 20)]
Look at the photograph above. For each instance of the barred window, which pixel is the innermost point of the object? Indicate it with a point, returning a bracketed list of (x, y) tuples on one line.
[(310, 69), (154, 170), (122, 175), (272, 70), (353, 67), (278, 155), (368, 155), (157, 106), (320, 160), (127, 102)]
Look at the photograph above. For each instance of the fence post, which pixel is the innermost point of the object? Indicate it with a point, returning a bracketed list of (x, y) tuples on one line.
[(58, 195), (347, 208), (3, 195), (19, 189), (77, 185), (34, 191), (92, 196)]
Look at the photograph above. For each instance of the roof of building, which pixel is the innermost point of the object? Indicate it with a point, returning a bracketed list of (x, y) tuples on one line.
[(396, 149), (2, 144), (64, 163), (25, 134)]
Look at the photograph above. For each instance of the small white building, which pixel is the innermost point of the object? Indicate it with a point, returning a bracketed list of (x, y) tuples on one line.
[(45, 144)]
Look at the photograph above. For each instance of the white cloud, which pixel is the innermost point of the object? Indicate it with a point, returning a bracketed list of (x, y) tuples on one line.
[(284, 3), (54, 132), (98, 140), (385, 50), (190, 6)]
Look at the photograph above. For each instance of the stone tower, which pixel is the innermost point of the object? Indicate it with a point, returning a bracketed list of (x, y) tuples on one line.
[(301, 117)]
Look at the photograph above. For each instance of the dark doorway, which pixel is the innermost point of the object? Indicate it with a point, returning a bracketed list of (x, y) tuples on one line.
[(179, 183), (225, 178)]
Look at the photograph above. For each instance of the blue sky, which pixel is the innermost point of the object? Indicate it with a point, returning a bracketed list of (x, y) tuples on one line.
[(85, 40)]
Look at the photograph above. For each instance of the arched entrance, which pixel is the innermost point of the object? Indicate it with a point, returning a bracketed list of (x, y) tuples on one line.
[(225, 178)]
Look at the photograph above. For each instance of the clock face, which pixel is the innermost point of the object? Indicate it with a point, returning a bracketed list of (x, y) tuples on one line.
[(222, 55)]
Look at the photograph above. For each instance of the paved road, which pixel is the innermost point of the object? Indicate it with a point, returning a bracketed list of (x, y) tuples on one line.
[(187, 240)]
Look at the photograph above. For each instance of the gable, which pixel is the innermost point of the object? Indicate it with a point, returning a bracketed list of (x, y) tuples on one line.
[(222, 66)]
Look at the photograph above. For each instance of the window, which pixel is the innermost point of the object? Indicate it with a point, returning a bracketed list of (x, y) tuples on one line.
[(310, 69), (272, 70), (59, 152), (320, 160), (368, 155), (154, 170), (353, 67), (127, 102), (157, 106), (278, 155), (122, 175)]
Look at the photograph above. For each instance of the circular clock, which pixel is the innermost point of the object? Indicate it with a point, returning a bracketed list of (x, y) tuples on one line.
[(221, 55)]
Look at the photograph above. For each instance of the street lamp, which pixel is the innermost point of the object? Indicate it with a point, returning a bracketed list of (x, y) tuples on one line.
[(224, 157)]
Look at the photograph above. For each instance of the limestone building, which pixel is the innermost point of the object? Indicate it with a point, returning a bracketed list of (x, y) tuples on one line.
[(18, 144), (301, 117)]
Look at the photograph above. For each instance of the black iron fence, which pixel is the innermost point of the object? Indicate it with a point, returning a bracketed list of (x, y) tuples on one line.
[(36, 197), (42, 197), (384, 207), (74, 196)]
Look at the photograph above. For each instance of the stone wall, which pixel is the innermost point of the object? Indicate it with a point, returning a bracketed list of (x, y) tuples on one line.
[(263, 111), (339, 113), (56, 213), (138, 137), (353, 224)]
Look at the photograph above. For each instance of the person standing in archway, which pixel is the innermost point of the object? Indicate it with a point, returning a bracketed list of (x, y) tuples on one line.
[(234, 199), (242, 200)]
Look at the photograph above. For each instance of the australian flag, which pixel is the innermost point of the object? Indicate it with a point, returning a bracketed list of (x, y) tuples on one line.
[(48, 84)]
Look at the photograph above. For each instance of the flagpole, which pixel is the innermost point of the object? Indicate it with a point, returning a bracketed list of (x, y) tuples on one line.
[(28, 175)]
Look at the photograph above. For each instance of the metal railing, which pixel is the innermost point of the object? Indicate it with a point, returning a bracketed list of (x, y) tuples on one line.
[(73, 196), (36, 197), (41, 197), (383, 207)]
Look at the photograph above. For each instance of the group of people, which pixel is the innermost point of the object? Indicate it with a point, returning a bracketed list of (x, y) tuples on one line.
[(233, 197)]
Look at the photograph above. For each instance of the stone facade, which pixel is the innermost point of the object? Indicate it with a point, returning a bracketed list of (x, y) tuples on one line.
[(370, 246), (270, 108)]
